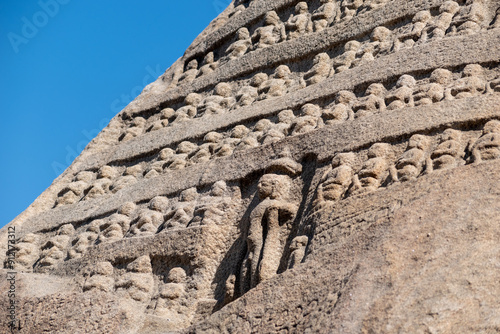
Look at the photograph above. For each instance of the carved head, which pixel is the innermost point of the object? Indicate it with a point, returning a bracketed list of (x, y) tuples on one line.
[(343, 159), (345, 97), (84, 176), (449, 7), (301, 8), (259, 79), (127, 209), (271, 18), (380, 34), (262, 125), (380, 150), (189, 195), (310, 109), (273, 186), (451, 134), (218, 188), (186, 147), (441, 76), (282, 72), (473, 70), (419, 141), (321, 58), (209, 58), (213, 137), (140, 265), (176, 275), (352, 46), (243, 34), (223, 89), (299, 242), (239, 131), (423, 16), (376, 89), (66, 229), (492, 127), (166, 153), (406, 81), (193, 99), (286, 116), (192, 65), (159, 203), (107, 172), (167, 113)]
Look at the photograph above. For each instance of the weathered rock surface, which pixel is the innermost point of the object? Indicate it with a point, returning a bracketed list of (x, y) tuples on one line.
[(321, 166)]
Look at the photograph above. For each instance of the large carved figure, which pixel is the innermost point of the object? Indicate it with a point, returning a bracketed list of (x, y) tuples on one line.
[(271, 33), (449, 153), (487, 147), (300, 23), (336, 180), (325, 14), (375, 171), (413, 162), (268, 230)]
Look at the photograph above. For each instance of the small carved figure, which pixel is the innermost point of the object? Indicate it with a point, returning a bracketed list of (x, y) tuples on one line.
[(349, 8), (138, 282), (300, 23), (298, 250), (409, 35), (470, 18), (165, 117), (221, 101), (472, 83), (434, 91), (213, 208), (137, 129), (372, 102), (413, 162), (151, 218), (179, 160), (320, 70), (436, 28), (308, 120), (375, 171), (83, 241), (248, 94), (183, 212), (190, 72), (128, 178), (115, 227), (341, 111), (325, 14), (345, 60), (277, 85), (102, 185), (337, 180), (487, 147), (168, 304), (190, 108), (101, 278), (209, 65), (241, 46), (76, 189), (403, 95), (449, 153), (271, 33), (27, 251), (54, 250)]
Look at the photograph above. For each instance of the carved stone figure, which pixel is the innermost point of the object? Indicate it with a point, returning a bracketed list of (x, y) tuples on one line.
[(470, 18), (190, 72), (271, 33), (165, 117), (372, 102), (102, 185), (115, 227), (345, 60), (487, 147), (349, 8), (320, 70), (449, 153), (101, 278), (183, 212), (129, 177), (341, 111), (277, 85), (437, 27), (83, 241), (308, 120), (74, 192), (241, 46), (190, 108), (413, 162), (151, 218), (300, 23), (138, 282), (336, 180), (214, 207), (403, 95), (171, 294), (472, 83), (298, 250), (221, 101), (434, 91), (410, 34), (209, 65), (137, 129), (54, 250), (268, 230), (375, 171), (325, 14)]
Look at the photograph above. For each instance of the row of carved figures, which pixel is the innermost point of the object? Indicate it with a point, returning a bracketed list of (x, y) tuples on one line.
[(451, 19), (439, 85), (423, 155), (230, 96), (189, 209)]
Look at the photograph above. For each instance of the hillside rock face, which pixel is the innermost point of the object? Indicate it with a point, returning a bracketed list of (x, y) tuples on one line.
[(306, 167)]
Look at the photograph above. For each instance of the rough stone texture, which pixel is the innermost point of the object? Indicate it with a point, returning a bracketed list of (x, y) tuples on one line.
[(320, 166)]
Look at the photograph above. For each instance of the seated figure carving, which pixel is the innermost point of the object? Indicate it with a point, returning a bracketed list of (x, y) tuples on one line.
[(344, 61), (241, 46), (349, 8), (471, 84), (271, 33), (248, 94), (449, 153), (116, 226), (372, 102), (325, 14), (413, 162), (54, 250), (487, 147), (300, 23), (341, 111), (320, 70), (277, 85), (83, 241), (308, 119), (409, 35), (375, 171), (190, 72), (435, 90), (165, 117), (437, 27), (403, 95), (137, 129), (75, 191), (138, 281)]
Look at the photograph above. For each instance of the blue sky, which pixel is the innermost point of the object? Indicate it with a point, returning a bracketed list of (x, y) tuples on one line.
[(67, 67)]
